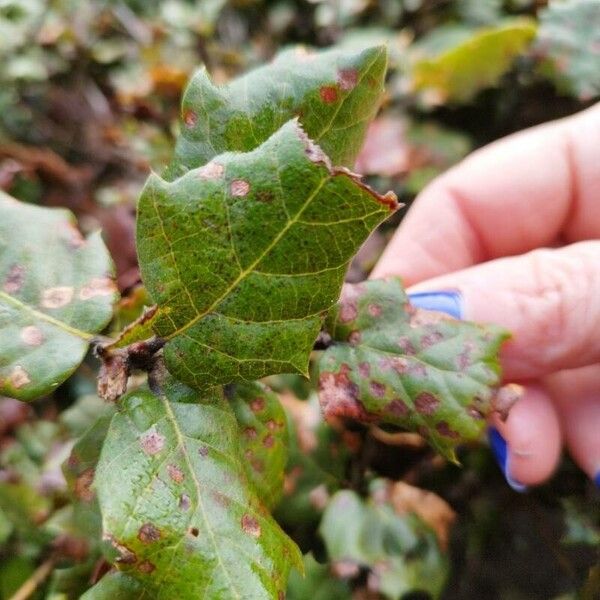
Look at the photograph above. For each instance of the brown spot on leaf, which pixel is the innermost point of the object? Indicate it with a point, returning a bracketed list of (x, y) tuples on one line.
[(426, 403), (377, 389), (339, 395), (364, 369), (19, 377), (265, 196), (152, 442), (194, 531), (126, 555), (397, 407), (190, 118), (257, 405), (14, 279), (354, 338), (184, 502), (175, 473), (250, 433), (146, 567), (239, 187), (406, 346), (57, 297), (32, 335), (328, 94), (374, 310), (272, 425), (348, 310), (83, 485), (211, 170), (203, 451), (443, 428), (347, 79), (251, 526), (98, 286), (430, 339), (269, 441), (148, 533)]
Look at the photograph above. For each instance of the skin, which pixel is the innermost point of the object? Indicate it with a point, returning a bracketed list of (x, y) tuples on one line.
[(515, 228)]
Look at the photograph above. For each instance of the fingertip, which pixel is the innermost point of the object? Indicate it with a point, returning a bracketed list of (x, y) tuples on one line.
[(533, 438)]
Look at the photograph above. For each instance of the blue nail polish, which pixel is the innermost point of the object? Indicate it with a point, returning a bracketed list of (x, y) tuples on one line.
[(597, 479), (445, 301), (500, 451)]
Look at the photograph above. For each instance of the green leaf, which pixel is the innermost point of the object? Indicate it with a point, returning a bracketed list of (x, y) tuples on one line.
[(80, 471), (178, 512), (453, 64), (69, 583), (334, 93), (317, 584), (400, 551), (56, 292), (245, 255), (117, 586), (417, 369), (264, 437), (568, 43)]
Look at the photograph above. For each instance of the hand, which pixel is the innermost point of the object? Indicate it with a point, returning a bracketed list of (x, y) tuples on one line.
[(512, 236)]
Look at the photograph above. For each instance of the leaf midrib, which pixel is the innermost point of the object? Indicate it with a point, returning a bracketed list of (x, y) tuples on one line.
[(181, 443), (250, 269), (84, 335)]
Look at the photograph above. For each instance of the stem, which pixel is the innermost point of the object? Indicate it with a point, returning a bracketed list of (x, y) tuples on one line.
[(37, 578)]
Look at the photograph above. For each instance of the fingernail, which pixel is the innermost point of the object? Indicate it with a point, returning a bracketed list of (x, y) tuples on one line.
[(500, 451), (444, 301)]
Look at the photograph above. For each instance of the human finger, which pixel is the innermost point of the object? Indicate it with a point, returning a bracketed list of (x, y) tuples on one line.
[(529, 190)]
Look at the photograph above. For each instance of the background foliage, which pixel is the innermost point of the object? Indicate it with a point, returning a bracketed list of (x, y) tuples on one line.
[(89, 100)]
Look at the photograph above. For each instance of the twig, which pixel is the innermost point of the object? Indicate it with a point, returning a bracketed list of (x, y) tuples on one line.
[(33, 582), (401, 438)]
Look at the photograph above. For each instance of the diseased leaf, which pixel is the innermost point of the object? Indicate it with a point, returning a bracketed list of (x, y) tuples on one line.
[(56, 292), (80, 470), (246, 254), (400, 551), (454, 64), (568, 43), (264, 437), (420, 370), (334, 93), (173, 491)]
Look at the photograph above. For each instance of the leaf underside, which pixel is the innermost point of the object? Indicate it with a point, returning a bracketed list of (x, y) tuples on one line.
[(56, 290), (245, 255), (179, 515), (334, 93), (420, 370)]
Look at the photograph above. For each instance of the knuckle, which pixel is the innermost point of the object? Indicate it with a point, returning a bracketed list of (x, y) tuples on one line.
[(566, 302)]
